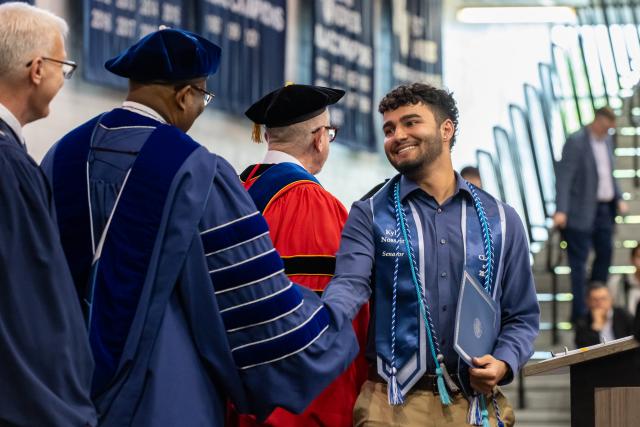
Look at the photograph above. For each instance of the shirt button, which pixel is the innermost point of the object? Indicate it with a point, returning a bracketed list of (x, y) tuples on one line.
[(443, 241), (444, 308), (439, 210), (443, 274)]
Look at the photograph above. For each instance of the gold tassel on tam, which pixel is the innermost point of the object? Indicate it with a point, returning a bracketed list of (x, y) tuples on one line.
[(256, 135)]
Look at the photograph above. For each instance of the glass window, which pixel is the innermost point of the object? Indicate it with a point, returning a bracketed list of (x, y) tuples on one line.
[(542, 146), (522, 154), (509, 177), (489, 174)]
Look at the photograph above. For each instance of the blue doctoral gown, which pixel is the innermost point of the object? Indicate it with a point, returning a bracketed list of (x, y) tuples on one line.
[(213, 316), (45, 360)]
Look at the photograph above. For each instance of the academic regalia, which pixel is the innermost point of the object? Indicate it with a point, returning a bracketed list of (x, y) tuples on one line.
[(185, 297), (45, 359), (305, 222), (211, 316)]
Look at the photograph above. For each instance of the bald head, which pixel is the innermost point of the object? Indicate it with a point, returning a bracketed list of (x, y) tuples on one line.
[(300, 141)]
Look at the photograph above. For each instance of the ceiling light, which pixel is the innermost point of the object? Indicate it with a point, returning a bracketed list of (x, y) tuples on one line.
[(517, 15)]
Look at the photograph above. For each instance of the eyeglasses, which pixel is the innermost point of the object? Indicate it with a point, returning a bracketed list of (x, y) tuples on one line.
[(332, 131), (68, 67), (208, 96)]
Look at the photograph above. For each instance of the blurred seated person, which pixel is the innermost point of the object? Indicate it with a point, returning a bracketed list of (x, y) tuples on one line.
[(603, 322), (625, 288), (471, 174)]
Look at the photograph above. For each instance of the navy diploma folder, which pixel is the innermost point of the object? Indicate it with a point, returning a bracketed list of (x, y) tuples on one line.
[(476, 319)]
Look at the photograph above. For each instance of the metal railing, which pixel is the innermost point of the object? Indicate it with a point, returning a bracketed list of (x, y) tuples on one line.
[(564, 108)]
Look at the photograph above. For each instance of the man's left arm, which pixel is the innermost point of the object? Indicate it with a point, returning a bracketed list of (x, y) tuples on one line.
[(520, 312)]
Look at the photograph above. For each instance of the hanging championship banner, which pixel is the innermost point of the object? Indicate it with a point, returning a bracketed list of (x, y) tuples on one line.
[(343, 58), (111, 26), (252, 37), (417, 41)]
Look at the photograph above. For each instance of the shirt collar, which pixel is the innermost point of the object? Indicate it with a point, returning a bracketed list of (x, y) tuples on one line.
[(274, 156), (407, 186), (11, 121), (143, 110)]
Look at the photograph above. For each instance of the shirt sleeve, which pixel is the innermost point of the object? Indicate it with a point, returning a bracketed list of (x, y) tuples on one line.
[(280, 335), (520, 312), (350, 287)]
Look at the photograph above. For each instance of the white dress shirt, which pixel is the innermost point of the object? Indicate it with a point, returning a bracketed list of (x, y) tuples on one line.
[(11, 121), (143, 110), (606, 190), (274, 156), (606, 334)]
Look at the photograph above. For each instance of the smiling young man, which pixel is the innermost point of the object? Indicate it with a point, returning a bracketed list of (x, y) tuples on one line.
[(417, 237)]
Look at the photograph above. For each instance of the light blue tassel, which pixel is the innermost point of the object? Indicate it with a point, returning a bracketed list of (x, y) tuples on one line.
[(474, 416), (393, 391), (485, 413), (442, 389)]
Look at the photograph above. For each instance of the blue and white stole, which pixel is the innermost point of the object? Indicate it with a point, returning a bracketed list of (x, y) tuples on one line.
[(403, 342), (110, 274)]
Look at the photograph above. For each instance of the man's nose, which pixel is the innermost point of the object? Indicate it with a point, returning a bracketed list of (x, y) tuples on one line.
[(400, 133)]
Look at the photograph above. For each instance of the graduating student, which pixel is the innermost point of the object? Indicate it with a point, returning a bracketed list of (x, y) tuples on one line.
[(45, 360), (418, 237), (185, 296), (305, 222)]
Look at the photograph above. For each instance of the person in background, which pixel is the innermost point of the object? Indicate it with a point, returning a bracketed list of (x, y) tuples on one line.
[(587, 197), (305, 222), (185, 296), (604, 322), (472, 175), (45, 359), (625, 288)]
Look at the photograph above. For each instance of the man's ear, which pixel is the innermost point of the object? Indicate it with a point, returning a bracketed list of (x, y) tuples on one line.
[(317, 140), (447, 130), (181, 97), (36, 71)]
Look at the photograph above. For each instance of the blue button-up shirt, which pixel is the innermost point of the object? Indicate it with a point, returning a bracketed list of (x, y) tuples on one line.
[(444, 261)]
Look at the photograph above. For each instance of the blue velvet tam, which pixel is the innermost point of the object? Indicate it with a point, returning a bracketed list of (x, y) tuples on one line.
[(167, 55)]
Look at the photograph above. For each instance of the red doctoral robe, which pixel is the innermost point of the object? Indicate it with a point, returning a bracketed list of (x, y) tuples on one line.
[(305, 223)]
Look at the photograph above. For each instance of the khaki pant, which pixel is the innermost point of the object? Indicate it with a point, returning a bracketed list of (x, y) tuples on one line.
[(420, 409)]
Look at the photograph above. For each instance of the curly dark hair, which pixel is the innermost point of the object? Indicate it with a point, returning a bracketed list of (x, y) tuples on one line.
[(441, 102)]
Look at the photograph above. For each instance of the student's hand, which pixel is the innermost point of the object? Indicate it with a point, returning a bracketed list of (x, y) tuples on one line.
[(488, 372), (559, 220)]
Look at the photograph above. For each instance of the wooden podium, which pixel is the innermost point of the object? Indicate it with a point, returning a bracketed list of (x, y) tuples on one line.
[(605, 380)]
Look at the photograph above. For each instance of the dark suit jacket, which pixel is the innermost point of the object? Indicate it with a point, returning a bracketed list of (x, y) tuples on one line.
[(622, 327), (577, 181)]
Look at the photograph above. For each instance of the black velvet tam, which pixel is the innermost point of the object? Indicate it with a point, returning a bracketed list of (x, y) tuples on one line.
[(292, 104)]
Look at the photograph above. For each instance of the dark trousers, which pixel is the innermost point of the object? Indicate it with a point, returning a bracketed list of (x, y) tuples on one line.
[(579, 244)]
